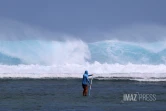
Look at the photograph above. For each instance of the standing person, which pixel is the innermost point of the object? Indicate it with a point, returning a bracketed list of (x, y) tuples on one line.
[(85, 82)]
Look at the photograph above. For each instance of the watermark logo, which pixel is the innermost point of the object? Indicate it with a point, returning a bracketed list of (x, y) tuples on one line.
[(136, 97)]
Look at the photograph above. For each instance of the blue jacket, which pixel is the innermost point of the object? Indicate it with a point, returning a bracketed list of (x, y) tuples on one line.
[(85, 79)]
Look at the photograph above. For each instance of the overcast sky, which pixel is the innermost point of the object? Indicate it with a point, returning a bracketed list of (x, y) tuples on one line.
[(91, 20)]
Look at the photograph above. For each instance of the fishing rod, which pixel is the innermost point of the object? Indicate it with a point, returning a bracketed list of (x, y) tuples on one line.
[(90, 87)]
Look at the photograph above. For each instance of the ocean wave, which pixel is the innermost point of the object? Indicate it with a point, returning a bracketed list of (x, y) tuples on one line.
[(65, 59), (106, 71), (128, 52), (79, 52)]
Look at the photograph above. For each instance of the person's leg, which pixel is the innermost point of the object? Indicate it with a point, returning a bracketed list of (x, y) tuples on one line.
[(86, 90)]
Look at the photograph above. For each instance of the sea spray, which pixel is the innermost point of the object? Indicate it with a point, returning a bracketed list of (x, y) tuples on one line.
[(106, 59)]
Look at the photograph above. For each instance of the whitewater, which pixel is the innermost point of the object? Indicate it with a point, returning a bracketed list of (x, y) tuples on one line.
[(110, 59)]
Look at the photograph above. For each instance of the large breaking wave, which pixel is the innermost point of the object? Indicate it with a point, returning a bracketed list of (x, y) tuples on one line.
[(106, 59)]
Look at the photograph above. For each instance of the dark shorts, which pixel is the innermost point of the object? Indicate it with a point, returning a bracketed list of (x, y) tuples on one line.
[(84, 86)]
